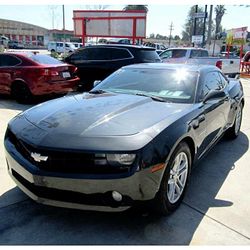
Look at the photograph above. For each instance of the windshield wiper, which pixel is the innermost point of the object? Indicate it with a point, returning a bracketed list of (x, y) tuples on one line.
[(153, 97), (97, 91)]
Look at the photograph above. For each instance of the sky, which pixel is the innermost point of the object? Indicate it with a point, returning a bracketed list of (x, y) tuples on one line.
[(159, 15)]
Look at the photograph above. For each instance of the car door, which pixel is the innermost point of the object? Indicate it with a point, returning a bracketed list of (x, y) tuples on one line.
[(119, 57), (91, 64), (7, 71), (216, 110)]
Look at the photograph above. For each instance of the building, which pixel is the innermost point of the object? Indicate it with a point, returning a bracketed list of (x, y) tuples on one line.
[(61, 35), (32, 35), (25, 33)]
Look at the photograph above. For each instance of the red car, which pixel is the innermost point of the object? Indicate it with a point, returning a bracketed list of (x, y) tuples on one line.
[(24, 75)]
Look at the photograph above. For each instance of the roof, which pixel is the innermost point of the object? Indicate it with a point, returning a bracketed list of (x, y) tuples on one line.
[(190, 67), (187, 48), (119, 46)]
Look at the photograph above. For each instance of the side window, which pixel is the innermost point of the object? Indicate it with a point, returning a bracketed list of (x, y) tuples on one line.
[(117, 54), (80, 55), (195, 53), (99, 54), (7, 60), (204, 53), (224, 81), (166, 54), (212, 82)]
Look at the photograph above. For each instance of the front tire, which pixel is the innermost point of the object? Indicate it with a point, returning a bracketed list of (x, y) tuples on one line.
[(174, 181), (233, 132)]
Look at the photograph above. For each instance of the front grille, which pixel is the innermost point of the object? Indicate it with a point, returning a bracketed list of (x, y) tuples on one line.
[(64, 161), (97, 199)]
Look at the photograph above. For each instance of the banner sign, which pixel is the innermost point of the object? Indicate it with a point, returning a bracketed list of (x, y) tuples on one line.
[(237, 36)]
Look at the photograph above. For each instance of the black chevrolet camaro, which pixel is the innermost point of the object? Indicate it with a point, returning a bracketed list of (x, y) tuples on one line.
[(133, 139)]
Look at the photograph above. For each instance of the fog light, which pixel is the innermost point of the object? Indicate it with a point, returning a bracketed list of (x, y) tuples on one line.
[(116, 196)]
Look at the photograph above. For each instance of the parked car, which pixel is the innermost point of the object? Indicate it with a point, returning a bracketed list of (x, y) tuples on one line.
[(24, 75), (98, 61), (78, 45), (4, 41), (132, 140), (15, 45), (118, 41), (246, 57), (158, 46), (61, 47), (103, 40), (230, 67)]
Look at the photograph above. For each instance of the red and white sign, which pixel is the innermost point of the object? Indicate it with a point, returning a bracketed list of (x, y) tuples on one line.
[(110, 23)]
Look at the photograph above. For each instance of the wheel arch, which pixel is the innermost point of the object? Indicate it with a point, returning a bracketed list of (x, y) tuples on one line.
[(189, 141), (17, 81)]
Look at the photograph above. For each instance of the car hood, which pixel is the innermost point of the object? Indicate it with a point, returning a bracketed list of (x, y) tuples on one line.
[(92, 115)]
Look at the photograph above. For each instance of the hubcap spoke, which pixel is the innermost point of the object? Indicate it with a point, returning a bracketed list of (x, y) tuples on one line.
[(178, 177)]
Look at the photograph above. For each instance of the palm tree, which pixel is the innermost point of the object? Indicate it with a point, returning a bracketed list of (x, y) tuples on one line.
[(220, 10), (136, 7)]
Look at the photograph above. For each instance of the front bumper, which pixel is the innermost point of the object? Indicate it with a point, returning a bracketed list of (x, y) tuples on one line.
[(79, 192)]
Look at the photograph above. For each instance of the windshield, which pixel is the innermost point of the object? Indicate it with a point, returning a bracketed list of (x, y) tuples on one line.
[(43, 59), (173, 85)]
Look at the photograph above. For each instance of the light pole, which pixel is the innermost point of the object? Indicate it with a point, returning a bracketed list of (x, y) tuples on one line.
[(170, 34)]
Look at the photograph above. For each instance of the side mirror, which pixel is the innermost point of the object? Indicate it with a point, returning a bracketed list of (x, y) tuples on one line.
[(214, 94), (96, 82)]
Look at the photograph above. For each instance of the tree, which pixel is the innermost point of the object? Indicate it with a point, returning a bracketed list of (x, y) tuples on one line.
[(136, 7), (220, 10), (189, 25), (152, 35), (176, 37)]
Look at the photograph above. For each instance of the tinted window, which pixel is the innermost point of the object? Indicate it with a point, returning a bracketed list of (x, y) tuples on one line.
[(212, 82), (204, 53), (43, 59), (172, 85), (91, 54), (99, 54), (148, 56), (175, 53), (120, 54), (8, 60), (80, 55), (195, 53)]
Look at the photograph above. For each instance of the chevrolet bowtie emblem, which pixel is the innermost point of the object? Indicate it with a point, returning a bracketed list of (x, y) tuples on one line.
[(38, 157)]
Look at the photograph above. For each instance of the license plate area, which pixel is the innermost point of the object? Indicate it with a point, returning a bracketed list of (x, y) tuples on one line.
[(66, 74)]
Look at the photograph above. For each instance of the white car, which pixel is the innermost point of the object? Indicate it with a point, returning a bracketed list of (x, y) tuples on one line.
[(78, 45), (61, 47)]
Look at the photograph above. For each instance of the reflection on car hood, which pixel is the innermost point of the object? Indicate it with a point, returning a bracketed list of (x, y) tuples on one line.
[(97, 115)]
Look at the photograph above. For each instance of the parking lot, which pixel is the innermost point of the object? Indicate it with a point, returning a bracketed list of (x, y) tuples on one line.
[(215, 210)]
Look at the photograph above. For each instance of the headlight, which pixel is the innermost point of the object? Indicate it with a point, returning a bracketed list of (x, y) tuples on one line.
[(120, 159)]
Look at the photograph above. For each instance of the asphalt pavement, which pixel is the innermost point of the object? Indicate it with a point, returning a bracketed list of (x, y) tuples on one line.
[(215, 210)]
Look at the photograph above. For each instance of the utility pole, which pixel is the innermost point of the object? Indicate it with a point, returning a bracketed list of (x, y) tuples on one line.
[(194, 31), (63, 23), (171, 27), (210, 25), (63, 30), (204, 27)]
